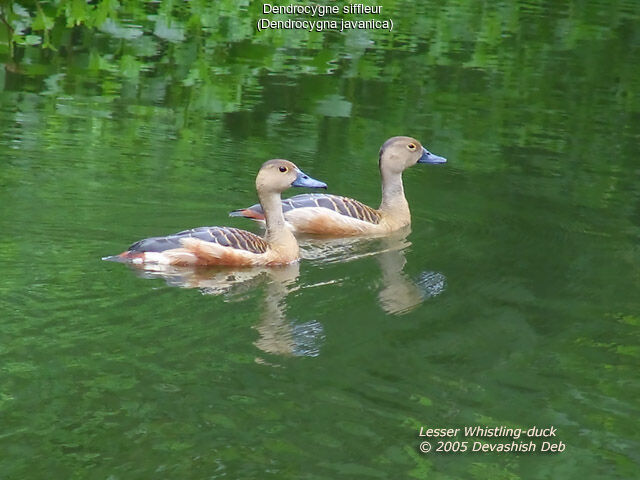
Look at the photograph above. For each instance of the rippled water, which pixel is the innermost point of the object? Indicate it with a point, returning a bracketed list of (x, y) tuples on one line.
[(512, 301)]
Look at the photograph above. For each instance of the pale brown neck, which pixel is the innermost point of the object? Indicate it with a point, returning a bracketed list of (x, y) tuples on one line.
[(277, 234), (394, 204)]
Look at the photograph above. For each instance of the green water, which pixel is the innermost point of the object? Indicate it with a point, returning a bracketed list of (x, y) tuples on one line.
[(513, 301)]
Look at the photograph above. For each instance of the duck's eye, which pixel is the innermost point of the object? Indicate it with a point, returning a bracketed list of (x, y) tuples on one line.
[(412, 146), (283, 169)]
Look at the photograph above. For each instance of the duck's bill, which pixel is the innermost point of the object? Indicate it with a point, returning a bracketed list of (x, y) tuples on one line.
[(428, 157), (304, 180)]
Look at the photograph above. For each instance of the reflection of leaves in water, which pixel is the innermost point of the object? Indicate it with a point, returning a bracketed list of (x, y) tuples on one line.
[(118, 30), (169, 30), (206, 58), (333, 106), (220, 37)]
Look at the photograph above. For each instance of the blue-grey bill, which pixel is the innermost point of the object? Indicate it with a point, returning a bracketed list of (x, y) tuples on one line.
[(304, 180), (428, 157)]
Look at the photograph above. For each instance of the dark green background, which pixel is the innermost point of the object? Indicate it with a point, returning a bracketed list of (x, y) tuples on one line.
[(121, 120)]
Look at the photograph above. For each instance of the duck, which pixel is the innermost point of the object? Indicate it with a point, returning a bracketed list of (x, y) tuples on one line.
[(334, 215), (205, 246)]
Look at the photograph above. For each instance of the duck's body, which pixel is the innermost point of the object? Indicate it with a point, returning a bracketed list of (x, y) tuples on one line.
[(207, 246), (323, 214), (231, 246)]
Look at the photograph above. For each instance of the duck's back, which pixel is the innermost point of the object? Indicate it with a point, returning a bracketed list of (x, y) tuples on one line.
[(224, 236), (323, 214), (345, 206)]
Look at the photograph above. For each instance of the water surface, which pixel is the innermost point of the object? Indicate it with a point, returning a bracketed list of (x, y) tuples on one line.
[(512, 301)]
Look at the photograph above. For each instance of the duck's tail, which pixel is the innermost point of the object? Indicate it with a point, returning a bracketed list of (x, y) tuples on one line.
[(125, 257), (253, 214)]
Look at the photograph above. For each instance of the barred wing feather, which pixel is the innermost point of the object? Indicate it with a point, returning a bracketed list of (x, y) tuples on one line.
[(343, 205), (225, 236)]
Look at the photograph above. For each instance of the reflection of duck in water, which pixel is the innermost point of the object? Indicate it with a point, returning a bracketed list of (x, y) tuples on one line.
[(398, 294), (278, 335), (232, 246), (324, 214)]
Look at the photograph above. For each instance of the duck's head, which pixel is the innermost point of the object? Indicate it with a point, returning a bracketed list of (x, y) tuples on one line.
[(400, 153), (278, 175)]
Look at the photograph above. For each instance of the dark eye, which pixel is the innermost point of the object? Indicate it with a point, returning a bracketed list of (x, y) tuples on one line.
[(283, 169), (412, 146)]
